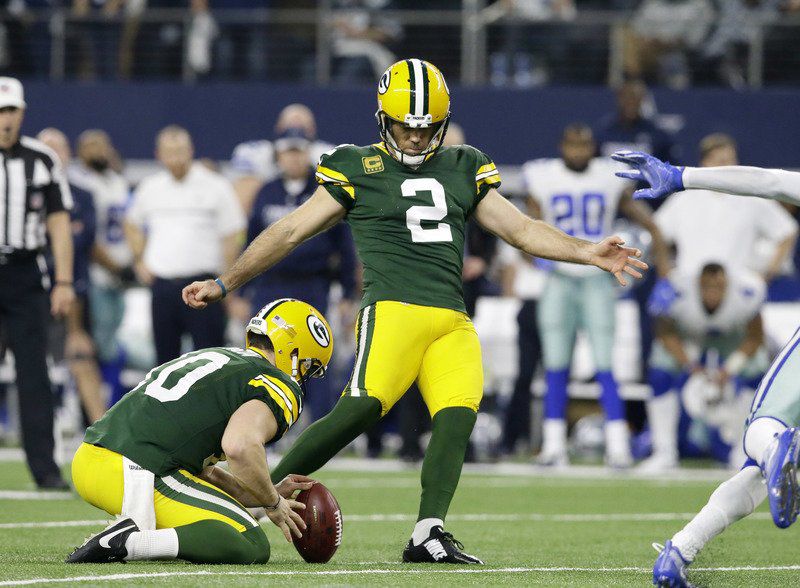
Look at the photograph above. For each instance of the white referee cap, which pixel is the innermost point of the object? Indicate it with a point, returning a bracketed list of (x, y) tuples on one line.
[(11, 93)]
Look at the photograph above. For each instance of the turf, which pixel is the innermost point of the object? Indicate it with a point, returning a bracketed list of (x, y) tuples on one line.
[(530, 529)]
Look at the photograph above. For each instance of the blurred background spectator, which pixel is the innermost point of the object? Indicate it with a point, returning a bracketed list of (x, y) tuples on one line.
[(79, 349), (184, 224), (530, 55), (255, 162), (98, 172), (362, 36), (662, 36)]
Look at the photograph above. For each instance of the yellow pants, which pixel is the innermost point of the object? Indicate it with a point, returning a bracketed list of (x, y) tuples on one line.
[(180, 498), (398, 343)]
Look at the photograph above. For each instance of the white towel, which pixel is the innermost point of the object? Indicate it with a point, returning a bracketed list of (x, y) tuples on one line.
[(137, 495)]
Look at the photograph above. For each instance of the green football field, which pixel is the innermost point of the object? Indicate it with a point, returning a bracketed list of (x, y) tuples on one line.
[(531, 528)]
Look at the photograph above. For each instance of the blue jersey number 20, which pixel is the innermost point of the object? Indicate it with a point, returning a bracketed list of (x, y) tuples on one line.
[(582, 215)]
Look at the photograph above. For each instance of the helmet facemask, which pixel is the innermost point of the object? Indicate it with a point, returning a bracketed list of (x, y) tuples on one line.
[(414, 161), (305, 369)]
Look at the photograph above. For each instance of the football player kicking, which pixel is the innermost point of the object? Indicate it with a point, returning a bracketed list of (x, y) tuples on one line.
[(772, 437), (407, 200), (151, 458)]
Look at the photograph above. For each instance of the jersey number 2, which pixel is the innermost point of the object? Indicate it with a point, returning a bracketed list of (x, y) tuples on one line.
[(212, 361), (416, 214)]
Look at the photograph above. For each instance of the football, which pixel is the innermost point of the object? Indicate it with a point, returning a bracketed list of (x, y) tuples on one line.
[(323, 519)]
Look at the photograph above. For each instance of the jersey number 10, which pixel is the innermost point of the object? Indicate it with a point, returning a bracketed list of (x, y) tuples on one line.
[(211, 362), (581, 215)]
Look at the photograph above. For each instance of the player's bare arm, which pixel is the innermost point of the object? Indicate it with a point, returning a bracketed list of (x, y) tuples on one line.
[(666, 330), (537, 238), (752, 342), (639, 214), (227, 482), (249, 429), (317, 214), (740, 180)]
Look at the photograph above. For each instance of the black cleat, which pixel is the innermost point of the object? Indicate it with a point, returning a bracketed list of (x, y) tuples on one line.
[(439, 547), (107, 546)]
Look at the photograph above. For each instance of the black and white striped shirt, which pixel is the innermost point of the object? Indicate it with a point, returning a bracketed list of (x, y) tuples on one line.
[(32, 185)]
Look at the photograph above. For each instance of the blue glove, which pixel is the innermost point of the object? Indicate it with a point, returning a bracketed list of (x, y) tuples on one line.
[(664, 179), (661, 298)]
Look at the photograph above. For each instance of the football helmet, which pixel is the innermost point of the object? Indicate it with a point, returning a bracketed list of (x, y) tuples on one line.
[(414, 93), (300, 336)]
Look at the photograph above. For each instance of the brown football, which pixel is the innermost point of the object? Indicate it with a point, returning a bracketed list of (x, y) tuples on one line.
[(323, 519)]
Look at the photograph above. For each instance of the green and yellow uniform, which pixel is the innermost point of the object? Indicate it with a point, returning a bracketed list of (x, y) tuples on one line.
[(172, 424), (408, 225)]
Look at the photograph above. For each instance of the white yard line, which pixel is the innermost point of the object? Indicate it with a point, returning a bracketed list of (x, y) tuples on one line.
[(358, 464), (401, 517), (376, 572), (35, 495)]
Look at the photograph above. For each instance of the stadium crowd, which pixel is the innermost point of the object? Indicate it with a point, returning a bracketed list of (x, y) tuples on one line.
[(701, 341), (529, 42)]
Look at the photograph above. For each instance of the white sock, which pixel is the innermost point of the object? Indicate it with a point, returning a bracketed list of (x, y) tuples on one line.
[(618, 437), (161, 544), (759, 435), (422, 529), (554, 436), (663, 413), (731, 501)]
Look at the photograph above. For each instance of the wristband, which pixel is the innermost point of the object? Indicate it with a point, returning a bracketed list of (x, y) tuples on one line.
[(224, 289), (735, 363), (274, 506)]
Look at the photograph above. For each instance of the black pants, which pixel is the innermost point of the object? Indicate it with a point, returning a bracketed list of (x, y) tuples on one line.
[(24, 311), (518, 415), (172, 318)]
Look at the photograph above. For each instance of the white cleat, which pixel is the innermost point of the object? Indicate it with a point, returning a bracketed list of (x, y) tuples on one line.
[(619, 460), (656, 464), (553, 459)]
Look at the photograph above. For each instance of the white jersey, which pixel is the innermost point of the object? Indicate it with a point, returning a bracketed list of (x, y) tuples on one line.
[(725, 328), (257, 158), (186, 221), (111, 194), (708, 226), (582, 204)]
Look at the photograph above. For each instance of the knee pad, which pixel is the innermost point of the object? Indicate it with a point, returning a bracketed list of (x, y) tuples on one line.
[(759, 435)]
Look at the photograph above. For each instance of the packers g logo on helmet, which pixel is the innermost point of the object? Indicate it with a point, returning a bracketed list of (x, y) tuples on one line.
[(413, 92), (300, 336)]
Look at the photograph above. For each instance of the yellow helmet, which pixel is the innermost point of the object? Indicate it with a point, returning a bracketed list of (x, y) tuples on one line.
[(413, 92), (300, 337)]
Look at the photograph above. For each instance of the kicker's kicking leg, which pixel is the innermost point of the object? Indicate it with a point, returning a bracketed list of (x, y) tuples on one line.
[(328, 436)]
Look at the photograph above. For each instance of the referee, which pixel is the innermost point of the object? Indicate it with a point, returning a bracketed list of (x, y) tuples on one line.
[(34, 200)]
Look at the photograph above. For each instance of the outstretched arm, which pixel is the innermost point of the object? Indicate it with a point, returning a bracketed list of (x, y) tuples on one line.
[(775, 184), (537, 238), (740, 180), (318, 213)]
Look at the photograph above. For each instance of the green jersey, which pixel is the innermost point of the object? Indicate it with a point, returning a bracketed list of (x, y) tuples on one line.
[(175, 418), (408, 224)]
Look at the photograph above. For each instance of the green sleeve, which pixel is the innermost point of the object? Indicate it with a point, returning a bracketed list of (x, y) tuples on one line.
[(333, 172)]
